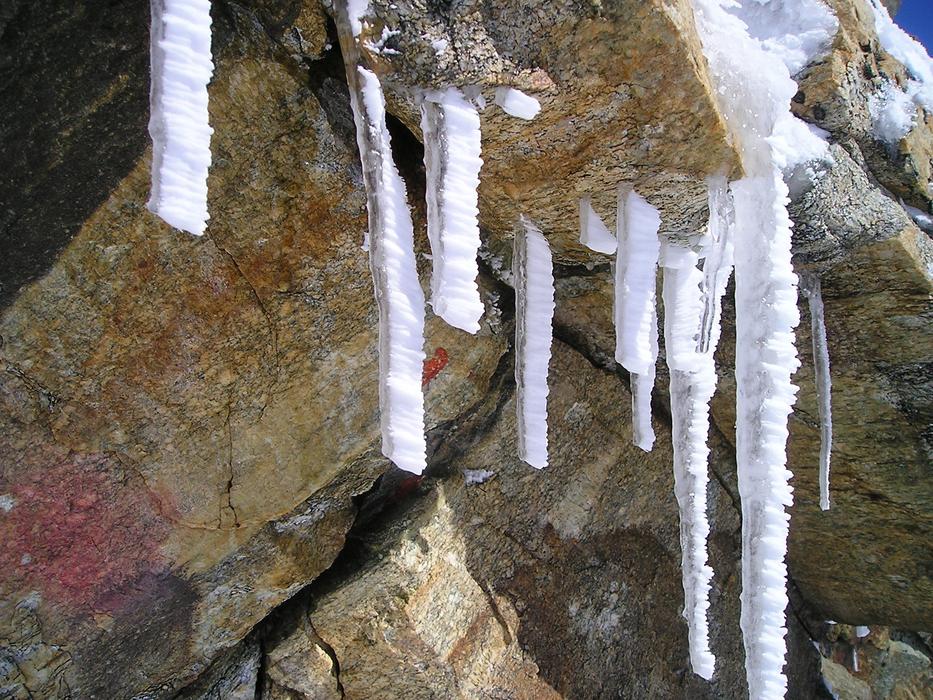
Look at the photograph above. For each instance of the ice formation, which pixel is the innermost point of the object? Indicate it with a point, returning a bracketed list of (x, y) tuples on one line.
[(180, 52), (754, 90), (692, 309), (593, 232), (811, 288), (517, 103), (909, 52), (451, 129), (534, 309), (636, 316), (893, 113), (395, 277)]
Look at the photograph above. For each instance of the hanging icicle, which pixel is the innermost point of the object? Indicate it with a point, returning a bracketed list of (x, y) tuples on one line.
[(181, 68), (636, 318), (811, 288), (754, 91), (692, 308), (451, 129), (534, 310), (593, 232), (392, 262)]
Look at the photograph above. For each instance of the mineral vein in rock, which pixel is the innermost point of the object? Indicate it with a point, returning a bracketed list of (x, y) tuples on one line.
[(636, 320), (810, 286), (451, 129), (593, 232), (395, 278), (180, 51), (754, 90), (534, 310)]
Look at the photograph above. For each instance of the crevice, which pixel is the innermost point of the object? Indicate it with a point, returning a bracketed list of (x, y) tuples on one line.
[(327, 649), (261, 668), (270, 319), (229, 485)]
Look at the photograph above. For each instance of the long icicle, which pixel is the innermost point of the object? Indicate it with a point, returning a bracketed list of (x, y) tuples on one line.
[(534, 311), (692, 308), (812, 290), (451, 128), (754, 90), (636, 316), (392, 263), (181, 68)]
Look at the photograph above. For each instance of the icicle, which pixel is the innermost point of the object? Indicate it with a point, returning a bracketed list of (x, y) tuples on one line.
[(534, 309), (395, 277), (636, 318), (692, 308), (181, 68), (810, 286), (754, 90), (451, 129), (593, 232), (517, 103)]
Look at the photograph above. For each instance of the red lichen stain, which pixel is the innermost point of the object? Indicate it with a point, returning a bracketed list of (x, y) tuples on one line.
[(433, 366), (80, 529)]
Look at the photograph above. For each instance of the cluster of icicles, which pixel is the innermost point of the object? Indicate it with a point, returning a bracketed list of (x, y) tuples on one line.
[(748, 229)]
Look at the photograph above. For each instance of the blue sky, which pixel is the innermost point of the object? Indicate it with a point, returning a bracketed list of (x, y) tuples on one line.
[(916, 16)]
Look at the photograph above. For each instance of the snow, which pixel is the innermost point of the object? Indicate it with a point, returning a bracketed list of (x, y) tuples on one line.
[(754, 90), (440, 46), (862, 631), (593, 232), (797, 32), (534, 310), (7, 502), (517, 103), (451, 129), (893, 113), (810, 286), (636, 320), (472, 477), (395, 277), (909, 52), (356, 9), (180, 49)]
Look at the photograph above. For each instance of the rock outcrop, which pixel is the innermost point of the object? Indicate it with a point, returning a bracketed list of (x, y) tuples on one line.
[(192, 499)]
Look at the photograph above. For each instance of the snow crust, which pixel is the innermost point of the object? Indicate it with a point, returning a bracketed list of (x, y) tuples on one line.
[(635, 312), (593, 232), (395, 277), (451, 128), (471, 477), (797, 32), (893, 113), (909, 52), (811, 288), (517, 103), (180, 51), (356, 9), (754, 89), (534, 311)]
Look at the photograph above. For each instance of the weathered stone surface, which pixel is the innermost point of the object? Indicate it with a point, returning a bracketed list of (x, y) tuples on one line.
[(534, 584), (185, 421), (189, 426), (835, 93), (624, 96)]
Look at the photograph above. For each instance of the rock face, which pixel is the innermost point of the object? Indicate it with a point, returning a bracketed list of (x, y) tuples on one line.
[(192, 500)]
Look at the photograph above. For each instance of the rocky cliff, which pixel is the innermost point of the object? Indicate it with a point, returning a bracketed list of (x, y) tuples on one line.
[(192, 499)]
